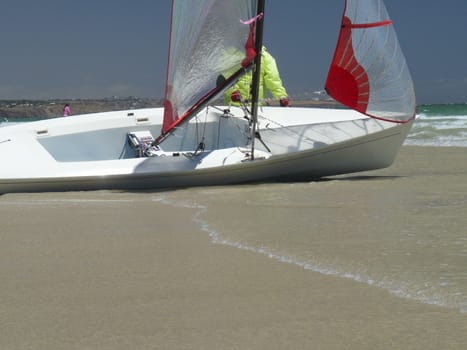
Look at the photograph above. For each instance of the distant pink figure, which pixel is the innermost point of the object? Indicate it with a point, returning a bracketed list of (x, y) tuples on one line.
[(66, 110)]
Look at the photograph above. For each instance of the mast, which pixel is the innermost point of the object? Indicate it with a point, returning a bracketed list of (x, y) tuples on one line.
[(256, 74)]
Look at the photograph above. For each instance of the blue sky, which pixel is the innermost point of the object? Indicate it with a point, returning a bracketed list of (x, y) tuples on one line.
[(101, 48)]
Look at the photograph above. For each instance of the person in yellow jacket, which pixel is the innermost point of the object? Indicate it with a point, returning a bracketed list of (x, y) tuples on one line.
[(270, 81)]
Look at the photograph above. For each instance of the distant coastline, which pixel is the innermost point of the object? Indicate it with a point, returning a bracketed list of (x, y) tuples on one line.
[(11, 109)]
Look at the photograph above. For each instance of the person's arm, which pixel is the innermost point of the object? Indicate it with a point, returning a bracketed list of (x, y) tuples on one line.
[(239, 91), (272, 79)]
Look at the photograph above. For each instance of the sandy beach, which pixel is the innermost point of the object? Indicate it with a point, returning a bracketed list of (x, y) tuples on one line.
[(129, 270)]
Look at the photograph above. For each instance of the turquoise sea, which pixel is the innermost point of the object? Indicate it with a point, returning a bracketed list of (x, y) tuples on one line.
[(440, 125)]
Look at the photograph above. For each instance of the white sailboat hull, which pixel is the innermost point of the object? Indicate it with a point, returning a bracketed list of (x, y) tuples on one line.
[(91, 152)]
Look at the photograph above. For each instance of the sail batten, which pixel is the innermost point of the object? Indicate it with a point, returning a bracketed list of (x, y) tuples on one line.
[(368, 72)]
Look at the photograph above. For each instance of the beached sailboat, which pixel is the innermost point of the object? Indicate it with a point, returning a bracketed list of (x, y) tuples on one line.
[(192, 142)]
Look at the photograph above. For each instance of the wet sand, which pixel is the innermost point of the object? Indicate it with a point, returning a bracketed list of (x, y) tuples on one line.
[(119, 270)]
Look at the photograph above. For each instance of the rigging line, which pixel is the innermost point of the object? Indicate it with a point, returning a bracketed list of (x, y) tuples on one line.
[(201, 144), (226, 111), (219, 132), (260, 139), (205, 121), (288, 128)]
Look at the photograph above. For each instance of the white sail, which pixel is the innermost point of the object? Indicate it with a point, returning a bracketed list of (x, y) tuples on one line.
[(210, 41), (369, 72)]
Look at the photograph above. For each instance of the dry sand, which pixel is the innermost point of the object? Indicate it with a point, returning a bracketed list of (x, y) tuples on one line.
[(111, 270)]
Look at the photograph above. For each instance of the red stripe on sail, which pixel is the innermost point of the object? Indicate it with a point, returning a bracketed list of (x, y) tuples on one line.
[(347, 81), (371, 25), (169, 116), (250, 52)]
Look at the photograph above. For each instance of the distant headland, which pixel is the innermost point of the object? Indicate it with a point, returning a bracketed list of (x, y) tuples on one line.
[(54, 108), (11, 109)]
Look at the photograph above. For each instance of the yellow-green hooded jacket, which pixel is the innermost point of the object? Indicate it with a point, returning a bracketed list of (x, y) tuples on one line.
[(270, 81)]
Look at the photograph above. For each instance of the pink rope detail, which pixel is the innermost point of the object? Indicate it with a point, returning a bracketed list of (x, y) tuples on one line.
[(254, 19)]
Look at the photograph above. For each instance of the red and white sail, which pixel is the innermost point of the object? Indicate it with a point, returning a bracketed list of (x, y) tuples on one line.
[(211, 44), (368, 72)]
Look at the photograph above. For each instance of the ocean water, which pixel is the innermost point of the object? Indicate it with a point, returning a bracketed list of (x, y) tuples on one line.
[(436, 125), (410, 243), (440, 125)]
